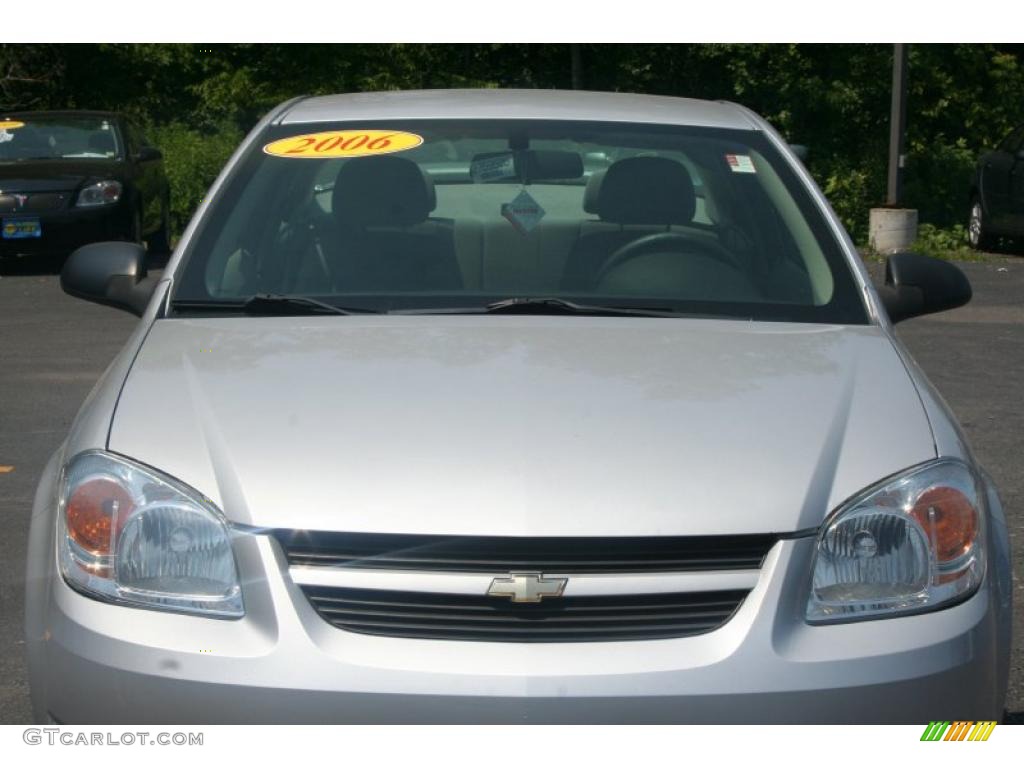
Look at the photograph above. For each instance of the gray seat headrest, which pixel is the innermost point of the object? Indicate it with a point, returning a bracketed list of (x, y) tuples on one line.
[(646, 190), (592, 192), (382, 191)]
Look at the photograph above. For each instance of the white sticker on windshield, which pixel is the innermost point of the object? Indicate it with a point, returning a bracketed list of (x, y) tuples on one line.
[(524, 213), (493, 168), (5, 136), (740, 163)]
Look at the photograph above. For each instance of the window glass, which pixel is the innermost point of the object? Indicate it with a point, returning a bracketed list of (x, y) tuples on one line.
[(51, 138), (708, 221)]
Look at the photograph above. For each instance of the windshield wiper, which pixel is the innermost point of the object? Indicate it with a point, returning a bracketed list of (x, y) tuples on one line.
[(545, 305), (271, 304)]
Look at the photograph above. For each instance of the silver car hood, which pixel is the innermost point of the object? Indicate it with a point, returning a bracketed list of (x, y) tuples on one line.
[(521, 425)]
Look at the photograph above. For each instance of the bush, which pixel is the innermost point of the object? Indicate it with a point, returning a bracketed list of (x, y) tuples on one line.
[(851, 192), (192, 160), (938, 179), (941, 243)]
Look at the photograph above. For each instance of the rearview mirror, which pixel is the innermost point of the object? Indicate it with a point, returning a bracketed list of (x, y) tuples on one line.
[(526, 165), (109, 273), (148, 154), (919, 285)]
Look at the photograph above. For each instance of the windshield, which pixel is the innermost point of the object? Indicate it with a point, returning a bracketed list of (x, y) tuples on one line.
[(52, 138), (429, 215)]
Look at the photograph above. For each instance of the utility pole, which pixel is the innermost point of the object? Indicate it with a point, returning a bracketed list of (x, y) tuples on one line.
[(576, 55), (893, 228), (897, 125)]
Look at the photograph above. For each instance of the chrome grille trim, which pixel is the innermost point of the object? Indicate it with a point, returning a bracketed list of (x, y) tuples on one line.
[(457, 583)]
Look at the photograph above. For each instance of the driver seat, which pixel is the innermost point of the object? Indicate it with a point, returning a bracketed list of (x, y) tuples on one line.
[(645, 194)]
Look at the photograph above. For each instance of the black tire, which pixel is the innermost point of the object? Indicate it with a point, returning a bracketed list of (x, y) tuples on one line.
[(978, 234), (159, 243), (1015, 246)]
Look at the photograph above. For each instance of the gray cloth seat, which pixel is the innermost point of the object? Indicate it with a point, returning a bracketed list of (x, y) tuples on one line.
[(382, 238), (642, 196)]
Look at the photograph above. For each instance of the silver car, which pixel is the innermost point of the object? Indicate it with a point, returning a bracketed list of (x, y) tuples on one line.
[(515, 406)]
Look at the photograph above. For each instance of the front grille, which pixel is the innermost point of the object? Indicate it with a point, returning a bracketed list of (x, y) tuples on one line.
[(555, 620), (36, 202), (494, 554)]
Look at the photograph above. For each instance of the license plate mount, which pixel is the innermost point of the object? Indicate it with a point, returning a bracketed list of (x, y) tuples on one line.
[(21, 228)]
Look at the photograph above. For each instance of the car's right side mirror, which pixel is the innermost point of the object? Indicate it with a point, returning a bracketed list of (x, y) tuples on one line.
[(111, 273), (148, 155), (919, 285)]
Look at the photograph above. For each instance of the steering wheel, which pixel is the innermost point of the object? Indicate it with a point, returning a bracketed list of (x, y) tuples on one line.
[(667, 242)]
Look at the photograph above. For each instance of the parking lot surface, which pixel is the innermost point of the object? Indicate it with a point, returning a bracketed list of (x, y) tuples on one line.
[(53, 348)]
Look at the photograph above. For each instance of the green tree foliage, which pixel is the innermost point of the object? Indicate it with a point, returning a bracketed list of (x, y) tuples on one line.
[(198, 100), (192, 160)]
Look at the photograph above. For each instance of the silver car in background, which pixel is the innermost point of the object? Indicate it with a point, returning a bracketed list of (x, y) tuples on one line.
[(515, 406)]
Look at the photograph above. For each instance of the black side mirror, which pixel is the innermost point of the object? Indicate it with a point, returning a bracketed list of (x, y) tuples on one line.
[(148, 155), (919, 285), (109, 273)]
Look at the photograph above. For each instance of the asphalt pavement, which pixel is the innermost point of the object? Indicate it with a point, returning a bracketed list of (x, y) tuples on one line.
[(53, 348)]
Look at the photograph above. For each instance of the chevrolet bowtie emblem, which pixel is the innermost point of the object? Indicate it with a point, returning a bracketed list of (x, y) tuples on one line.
[(526, 587)]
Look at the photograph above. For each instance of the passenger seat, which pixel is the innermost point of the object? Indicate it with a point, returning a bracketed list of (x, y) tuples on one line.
[(383, 240)]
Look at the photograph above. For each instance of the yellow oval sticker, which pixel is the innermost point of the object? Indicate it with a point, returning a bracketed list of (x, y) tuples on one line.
[(354, 143), (5, 124)]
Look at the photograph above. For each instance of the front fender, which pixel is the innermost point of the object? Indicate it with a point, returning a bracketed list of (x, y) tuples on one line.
[(40, 570), (1001, 570)]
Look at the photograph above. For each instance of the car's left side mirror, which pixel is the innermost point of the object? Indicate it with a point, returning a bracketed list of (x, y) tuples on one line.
[(148, 155), (109, 273), (919, 285)]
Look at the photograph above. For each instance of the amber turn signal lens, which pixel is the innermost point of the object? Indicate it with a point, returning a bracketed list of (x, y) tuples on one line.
[(949, 519), (91, 510)]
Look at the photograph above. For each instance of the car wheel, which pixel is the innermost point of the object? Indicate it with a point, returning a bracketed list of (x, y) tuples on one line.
[(977, 229), (1014, 246), (159, 243)]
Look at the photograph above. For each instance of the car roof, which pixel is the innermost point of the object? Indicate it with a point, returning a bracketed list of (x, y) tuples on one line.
[(537, 104)]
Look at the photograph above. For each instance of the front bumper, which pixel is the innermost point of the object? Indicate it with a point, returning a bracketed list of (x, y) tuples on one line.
[(97, 663), (64, 231)]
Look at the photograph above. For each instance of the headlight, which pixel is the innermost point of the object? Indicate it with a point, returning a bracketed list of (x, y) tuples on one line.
[(131, 535), (913, 543), (100, 193)]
